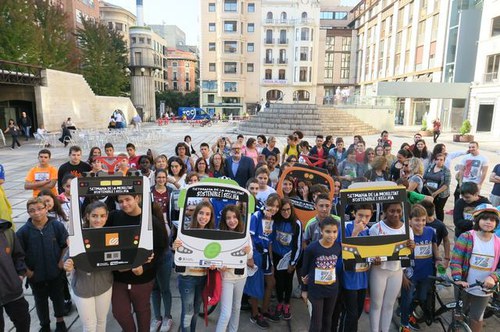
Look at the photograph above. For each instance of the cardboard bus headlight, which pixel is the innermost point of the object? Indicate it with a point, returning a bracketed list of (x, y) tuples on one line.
[(207, 247), (362, 249), (109, 248)]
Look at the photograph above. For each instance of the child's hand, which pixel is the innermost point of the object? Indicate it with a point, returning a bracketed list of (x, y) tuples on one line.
[(223, 269), (177, 244), (305, 279), (212, 267), (304, 296), (69, 265), (406, 282), (376, 261), (489, 282), (29, 273), (410, 244), (138, 270), (462, 283), (250, 262), (247, 249), (150, 258), (290, 269)]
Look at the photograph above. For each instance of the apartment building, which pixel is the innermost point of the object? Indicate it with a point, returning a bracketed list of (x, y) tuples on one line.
[(254, 51), (181, 70), (76, 9), (484, 110), (117, 18)]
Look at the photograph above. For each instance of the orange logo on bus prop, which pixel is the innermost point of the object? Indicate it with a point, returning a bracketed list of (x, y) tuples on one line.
[(112, 239)]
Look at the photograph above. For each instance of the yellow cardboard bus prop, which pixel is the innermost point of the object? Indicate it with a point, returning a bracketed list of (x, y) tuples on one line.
[(362, 249)]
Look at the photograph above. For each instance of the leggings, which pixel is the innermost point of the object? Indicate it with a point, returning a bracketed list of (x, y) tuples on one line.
[(94, 310), (284, 282), (322, 312), (439, 203), (384, 289)]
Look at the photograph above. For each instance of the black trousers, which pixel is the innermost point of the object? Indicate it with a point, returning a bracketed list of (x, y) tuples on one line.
[(18, 312), (284, 282), (42, 291), (352, 303), (322, 311), (439, 204)]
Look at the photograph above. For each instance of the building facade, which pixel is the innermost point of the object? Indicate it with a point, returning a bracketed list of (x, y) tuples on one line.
[(118, 19), (484, 110), (172, 34), (76, 9), (181, 70)]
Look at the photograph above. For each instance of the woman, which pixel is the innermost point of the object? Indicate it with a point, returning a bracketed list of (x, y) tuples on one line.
[(437, 179), (378, 171), (251, 150), (379, 151), (216, 169), (367, 160), (14, 132), (261, 143), (190, 151), (177, 173), (420, 151), (288, 187), (303, 190), (414, 171), (181, 151), (221, 146), (161, 162), (94, 152), (397, 167), (200, 167), (449, 156)]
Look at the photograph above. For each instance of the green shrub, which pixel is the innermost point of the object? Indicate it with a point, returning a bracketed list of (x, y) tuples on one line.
[(466, 126), (424, 125)]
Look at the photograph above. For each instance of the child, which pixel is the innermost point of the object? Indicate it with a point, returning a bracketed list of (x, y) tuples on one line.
[(232, 284), (320, 286), (312, 230), (261, 226), (53, 206), (192, 177), (286, 241), (262, 176), (145, 163), (440, 230), (415, 278), (464, 207), (288, 187), (386, 277), (161, 162), (253, 188), (92, 291), (355, 283), (65, 197), (123, 167), (475, 256), (193, 279)]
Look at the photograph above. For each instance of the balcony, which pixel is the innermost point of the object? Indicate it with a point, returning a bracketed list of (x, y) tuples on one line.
[(269, 41), (282, 61), (278, 21), (283, 41), (274, 81), (268, 61), (491, 77)]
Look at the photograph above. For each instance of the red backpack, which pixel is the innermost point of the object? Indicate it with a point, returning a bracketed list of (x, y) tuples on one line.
[(212, 291)]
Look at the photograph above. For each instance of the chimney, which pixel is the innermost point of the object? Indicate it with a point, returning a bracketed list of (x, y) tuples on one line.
[(140, 13)]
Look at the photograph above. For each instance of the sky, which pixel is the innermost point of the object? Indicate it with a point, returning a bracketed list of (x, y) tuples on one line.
[(183, 13)]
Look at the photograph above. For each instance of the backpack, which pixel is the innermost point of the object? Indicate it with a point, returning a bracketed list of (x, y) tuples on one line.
[(212, 292)]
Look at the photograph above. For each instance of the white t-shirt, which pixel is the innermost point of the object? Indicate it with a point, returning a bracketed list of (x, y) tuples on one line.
[(473, 168), (262, 195), (480, 263), (381, 228)]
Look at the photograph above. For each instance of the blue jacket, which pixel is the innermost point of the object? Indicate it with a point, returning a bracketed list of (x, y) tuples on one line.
[(285, 240), (246, 170), (43, 248)]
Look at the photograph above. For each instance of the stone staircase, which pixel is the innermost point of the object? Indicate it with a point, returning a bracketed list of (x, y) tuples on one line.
[(283, 119)]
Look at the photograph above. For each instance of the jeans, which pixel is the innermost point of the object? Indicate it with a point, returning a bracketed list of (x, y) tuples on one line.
[(18, 312), (439, 203), (495, 200), (232, 291), (353, 301), (417, 291), (190, 289), (136, 296), (15, 141), (44, 290), (26, 131), (93, 311), (384, 289), (161, 288)]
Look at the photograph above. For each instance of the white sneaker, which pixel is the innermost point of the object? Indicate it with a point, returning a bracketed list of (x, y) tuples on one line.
[(166, 325), (155, 325)]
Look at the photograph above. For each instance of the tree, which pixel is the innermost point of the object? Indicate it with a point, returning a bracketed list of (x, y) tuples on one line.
[(175, 99), (103, 58)]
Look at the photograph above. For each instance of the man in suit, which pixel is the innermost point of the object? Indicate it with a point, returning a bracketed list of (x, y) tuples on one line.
[(239, 167)]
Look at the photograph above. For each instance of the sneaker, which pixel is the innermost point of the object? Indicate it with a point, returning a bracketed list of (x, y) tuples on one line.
[(287, 315), (155, 325), (279, 309), (61, 327), (413, 324), (272, 316), (166, 325), (260, 321), (404, 329)]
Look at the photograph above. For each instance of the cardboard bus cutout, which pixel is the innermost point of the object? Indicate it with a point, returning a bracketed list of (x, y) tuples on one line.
[(362, 249), (109, 248), (206, 247), (305, 210)]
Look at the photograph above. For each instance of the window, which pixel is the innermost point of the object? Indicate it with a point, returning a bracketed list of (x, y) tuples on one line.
[(211, 98), (492, 64), (304, 15), (230, 6), (303, 53), (282, 58), (304, 34), (174, 84), (330, 43), (250, 47), (269, 36), (211, 7), (269, 56), (211, 66), (346, 43), (119, 26), (333, 16), (175, 76), (230, 46), (251, 8), (301, 95), (281, 74), (230, 67), (211, 47), (329, 65), (251, 27), (303, 74), (250, 68), (268, 75), (269, 16), (230, 86), (230, 26), (110, 25), (211, 27), (283, 16), (495, 26), (187, 86), (174, 64)]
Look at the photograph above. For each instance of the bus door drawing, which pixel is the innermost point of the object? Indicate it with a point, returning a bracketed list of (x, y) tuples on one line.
[(109, 248), (362, 249), (207, 247), (304, 209)]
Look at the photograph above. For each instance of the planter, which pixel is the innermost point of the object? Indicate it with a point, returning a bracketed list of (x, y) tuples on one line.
[(463, 138), (426, 133)]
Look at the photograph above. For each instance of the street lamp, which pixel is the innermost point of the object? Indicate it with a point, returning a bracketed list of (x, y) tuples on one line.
[(143, 70)]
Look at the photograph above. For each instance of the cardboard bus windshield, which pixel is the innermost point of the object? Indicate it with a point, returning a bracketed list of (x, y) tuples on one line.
[(95, 246), (213, 224), (362, 249)]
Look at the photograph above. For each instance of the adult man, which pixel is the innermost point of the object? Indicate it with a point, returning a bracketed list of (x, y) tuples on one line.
[(25, 124), (318, 151), (416, 138), (42, 176), (44, 241), (132, 288), (239, 167), (473, 167), (205, 152), (495, 193), (74, 166)]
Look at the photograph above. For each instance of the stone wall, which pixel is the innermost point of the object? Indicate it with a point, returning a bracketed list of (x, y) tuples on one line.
[(64, 95)]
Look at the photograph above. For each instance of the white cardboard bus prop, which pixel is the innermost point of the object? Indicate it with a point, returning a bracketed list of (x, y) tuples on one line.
[(110, 248), (362, 249), (206, 247)]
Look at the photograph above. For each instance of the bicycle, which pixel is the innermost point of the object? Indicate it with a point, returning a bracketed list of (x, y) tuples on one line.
[(459, 318)]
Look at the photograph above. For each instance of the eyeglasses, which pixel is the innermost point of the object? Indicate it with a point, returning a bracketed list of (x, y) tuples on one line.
[(286, 210), (35, 210)]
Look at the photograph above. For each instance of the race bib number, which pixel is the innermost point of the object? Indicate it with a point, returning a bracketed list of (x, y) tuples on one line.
[(481, 262), (42, 176), (283, 238), (432, 185), (423, 251), (324, 276), (362, 267)]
